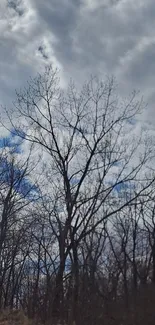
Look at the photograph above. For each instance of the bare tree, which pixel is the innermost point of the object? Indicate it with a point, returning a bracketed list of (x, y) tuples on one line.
[(16, 195), (91, 161)]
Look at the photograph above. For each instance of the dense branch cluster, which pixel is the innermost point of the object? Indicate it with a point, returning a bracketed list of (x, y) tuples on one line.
[(77, 230)]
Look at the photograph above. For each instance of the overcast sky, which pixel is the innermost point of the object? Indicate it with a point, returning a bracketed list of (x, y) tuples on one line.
[(114, 37)]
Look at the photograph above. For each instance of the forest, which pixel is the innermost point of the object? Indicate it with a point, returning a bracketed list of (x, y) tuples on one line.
[(77, 204)]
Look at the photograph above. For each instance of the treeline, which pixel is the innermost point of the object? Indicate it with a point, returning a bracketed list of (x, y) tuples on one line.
[(77, 229)]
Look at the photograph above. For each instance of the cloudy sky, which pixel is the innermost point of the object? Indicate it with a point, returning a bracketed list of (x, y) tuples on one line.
[(114, 37)]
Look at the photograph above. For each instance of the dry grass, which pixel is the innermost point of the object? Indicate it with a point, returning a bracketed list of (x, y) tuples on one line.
[(13, 318)]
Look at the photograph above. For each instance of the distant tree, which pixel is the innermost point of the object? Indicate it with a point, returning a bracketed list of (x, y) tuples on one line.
[(16, 195)]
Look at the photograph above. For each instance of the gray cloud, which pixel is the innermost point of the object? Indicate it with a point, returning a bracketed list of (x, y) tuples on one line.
[(80, 37), (16, 5)]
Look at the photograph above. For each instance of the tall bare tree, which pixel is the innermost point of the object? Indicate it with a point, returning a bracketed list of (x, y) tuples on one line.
[(93, 159)]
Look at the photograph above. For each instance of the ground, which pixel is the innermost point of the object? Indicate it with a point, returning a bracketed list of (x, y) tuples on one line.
[(13, 318)]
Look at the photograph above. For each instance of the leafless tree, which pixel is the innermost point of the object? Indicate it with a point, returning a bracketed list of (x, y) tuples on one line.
[(93, 164)]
